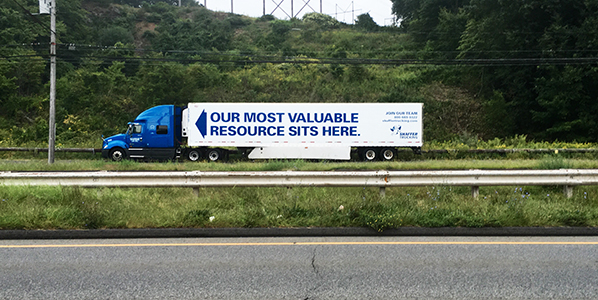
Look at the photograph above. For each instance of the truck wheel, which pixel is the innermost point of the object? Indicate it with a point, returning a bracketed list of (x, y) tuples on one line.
[(214, 154), (388, 154), (370, 154), (117, 154), (193, 155)]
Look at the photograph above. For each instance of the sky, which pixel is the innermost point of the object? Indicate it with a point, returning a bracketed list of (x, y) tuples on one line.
[(342, 10)]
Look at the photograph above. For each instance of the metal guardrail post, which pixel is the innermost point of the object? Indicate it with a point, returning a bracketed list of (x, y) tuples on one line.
[(475, 191), (382, 192), (568, 191)]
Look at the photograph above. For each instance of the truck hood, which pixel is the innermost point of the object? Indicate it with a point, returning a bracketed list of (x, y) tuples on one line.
[(119, 137)]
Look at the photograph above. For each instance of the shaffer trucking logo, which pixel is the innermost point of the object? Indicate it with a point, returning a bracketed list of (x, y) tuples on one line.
[(408, 135), (396, 130)]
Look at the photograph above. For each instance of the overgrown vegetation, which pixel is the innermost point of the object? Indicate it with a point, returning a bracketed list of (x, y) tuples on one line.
[(531, 93), (118, 58), (75, 208)]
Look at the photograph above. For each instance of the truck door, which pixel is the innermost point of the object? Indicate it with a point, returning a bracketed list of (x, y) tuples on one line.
[(136, 143)]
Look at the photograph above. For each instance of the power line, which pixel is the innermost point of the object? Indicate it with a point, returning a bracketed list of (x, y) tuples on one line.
[(75, 49), (352, 61), (88, 47), (268, 54)]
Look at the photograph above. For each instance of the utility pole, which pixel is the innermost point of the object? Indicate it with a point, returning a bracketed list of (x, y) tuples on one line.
[(52, 117), (231, 6)]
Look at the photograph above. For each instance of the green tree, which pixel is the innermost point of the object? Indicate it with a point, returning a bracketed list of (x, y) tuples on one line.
[(278, 34), (366, 23), (545, 100), (72, 22), (421, 17), (569, 103), (447, 34), (93, 99), (322, 21), (162, 84), (15, 28), (115, 34)]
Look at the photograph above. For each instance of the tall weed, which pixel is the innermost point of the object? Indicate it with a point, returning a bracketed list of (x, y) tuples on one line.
[(550, 162)]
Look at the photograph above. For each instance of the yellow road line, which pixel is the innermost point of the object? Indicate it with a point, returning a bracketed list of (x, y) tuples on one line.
[(289, 244)]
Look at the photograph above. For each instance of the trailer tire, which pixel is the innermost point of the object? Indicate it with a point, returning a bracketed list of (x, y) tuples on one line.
[(117, 154), (214, 155), (193, 155), (370, 154), (388, 154)]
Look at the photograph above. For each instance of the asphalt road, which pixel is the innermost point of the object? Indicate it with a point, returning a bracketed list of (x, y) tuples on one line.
[(301, 268)]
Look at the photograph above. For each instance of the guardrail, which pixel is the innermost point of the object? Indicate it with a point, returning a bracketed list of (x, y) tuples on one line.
[(568, 178), (72, 150)]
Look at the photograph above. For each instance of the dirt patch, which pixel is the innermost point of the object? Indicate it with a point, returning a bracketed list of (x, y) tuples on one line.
[(455, 112), (140, 29), (111, 11)]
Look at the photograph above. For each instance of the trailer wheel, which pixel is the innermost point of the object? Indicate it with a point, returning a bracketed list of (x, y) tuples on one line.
[(388, 154), (117, 154), (370, 154), (193, 155), (214, 154)]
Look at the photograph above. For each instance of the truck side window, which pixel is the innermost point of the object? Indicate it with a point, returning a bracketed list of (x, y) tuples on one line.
[(162, 129), (134, 128)]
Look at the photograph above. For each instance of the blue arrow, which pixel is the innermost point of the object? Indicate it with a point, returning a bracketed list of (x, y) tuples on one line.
[(202, 123)]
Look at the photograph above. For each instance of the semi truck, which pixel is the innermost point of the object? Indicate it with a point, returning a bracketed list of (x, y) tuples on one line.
[(211, 131)]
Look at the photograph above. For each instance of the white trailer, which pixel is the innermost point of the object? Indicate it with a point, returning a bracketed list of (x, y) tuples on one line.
[(302, 130)]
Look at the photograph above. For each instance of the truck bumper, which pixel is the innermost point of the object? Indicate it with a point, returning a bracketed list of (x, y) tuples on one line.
[(105, 153)]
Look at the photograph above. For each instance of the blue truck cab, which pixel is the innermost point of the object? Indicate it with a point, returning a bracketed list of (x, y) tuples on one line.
[(154, 135)]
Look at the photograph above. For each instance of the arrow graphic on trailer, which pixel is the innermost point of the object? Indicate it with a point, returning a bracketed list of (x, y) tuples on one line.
[(202, 123)]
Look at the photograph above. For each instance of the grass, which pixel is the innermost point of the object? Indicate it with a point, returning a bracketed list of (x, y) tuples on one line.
[(546, 162), (77, 208)]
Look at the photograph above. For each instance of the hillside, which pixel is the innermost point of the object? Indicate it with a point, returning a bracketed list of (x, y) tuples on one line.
[(117, 58)]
